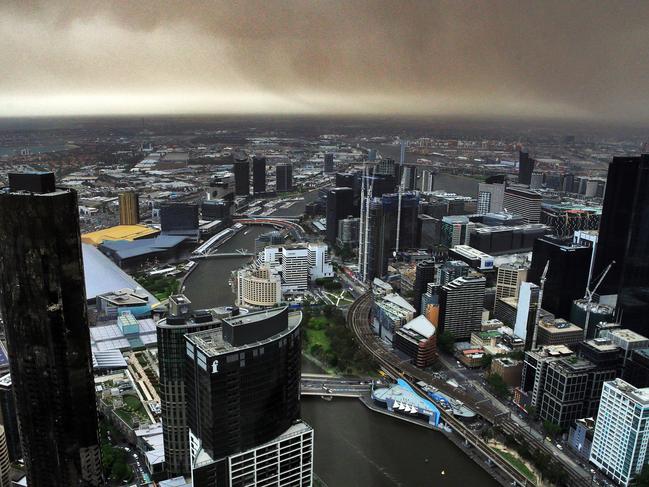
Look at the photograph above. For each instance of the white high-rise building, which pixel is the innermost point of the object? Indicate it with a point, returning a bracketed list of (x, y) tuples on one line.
[(509, 280), (259, 287), (490, 198), (621, 437), (298, 263)]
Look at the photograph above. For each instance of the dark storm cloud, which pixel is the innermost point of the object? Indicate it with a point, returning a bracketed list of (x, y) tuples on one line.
[(574, 59)]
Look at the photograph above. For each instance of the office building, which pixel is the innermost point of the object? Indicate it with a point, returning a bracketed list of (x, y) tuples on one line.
[(557, 331), (527, 305), (258, 174), (329, 163), (340, 204), (171, 351), (450, 270), (178, 217), (623, 238), (628, 341), (525, 168), (568, 218), (580, 437), (567, 272), (284, 178), (455, 231), (523, 202), (417, 339), (509, 279), (476, 259), (215, 210), (427, 180), (619, 447), (387, 167), (425, 273), (536, 181), (297, 263), (505, 239), (508, 369), (5, 464), (390, 312), (270, 238), (129, 208), (46, 324), (490, 198), (9, 419), (460, 303), (348, 229), (243, 402), (241, 176), (260, 287)]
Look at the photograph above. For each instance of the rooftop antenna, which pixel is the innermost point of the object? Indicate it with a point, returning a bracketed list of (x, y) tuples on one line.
[(538, 307)]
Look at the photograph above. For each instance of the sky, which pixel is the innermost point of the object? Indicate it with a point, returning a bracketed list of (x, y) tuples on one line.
[(546, 59)]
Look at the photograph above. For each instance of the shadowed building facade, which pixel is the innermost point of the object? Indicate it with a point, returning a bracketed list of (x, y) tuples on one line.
[(44, 306)]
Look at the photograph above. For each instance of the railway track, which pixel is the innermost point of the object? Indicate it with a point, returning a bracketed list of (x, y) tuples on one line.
[(358, 320)]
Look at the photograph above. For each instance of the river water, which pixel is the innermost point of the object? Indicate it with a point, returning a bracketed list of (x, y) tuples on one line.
[(354, 447)]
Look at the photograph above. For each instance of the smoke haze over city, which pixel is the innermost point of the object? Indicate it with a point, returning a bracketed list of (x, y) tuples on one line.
[(573, 60)]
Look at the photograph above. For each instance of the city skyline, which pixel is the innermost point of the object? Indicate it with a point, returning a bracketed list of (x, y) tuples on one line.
[(566, 61)]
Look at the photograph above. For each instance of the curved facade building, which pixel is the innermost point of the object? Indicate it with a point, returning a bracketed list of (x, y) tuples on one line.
[(171, 351), (258, 287), (243, 394)]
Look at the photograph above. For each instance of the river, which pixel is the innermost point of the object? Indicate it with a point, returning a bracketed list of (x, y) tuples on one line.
[(354, 447)]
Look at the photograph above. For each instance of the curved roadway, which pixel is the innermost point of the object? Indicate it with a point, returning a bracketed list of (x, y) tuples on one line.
[(358, 319)]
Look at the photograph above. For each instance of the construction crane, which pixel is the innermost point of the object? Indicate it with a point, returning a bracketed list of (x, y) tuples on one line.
[(538, 306), (401, 184), (589, 296)]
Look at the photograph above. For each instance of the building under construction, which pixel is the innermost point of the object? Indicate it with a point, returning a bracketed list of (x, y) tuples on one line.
[(567, 218)]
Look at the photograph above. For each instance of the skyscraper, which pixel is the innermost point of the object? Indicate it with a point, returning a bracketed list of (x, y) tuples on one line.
[(284, 177), (258, 174), (241, 176), (171, 351), (5, 465), (329, 162), (525, 168), (461, 304), (490, 198), (424, 274), (44, 307), (243, 402), (619, 447), (340, 204), (567, 273), (509, 279), (129, 208), (623, 238), (523, 202), (528, 302), (9, 419)]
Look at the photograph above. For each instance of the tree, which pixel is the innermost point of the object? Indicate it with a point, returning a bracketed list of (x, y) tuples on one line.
[(642, 480), (485, 361), (446, 341), (552, 429), (498, 385)]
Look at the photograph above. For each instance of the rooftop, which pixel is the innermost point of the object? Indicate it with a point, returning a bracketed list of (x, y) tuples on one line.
[(635, 394), (421, 325), (119, 232), (103, 276), (469, 251), (212, 343), (627, 335)]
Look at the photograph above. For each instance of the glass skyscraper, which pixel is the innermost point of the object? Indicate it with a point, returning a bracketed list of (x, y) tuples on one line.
[(48, 342)]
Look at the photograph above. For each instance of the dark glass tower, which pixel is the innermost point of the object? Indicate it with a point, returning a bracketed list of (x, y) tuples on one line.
[(44, 306), (624, 238), (241, 177), (9, 418), (424, 274), (567, 273), (258, 174), (243, 391), (171, 352), (525, 168), (328, 162), (340, 204), (284, 177)]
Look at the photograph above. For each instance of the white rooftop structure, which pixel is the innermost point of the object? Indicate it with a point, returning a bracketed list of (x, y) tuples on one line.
[(102, 275), (421, 325)]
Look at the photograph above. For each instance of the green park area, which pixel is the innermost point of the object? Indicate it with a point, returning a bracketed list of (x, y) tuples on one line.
[(518, 464), (326, 338), (160, 286), (132, 411)]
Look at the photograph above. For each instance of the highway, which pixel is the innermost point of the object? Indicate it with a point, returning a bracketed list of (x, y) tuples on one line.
[(358, 320)]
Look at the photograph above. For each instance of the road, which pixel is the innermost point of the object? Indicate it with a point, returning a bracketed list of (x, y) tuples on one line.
[(312, 385), (490, 409)]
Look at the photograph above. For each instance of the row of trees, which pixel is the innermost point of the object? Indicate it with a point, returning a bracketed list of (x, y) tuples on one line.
[(342, 352)]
